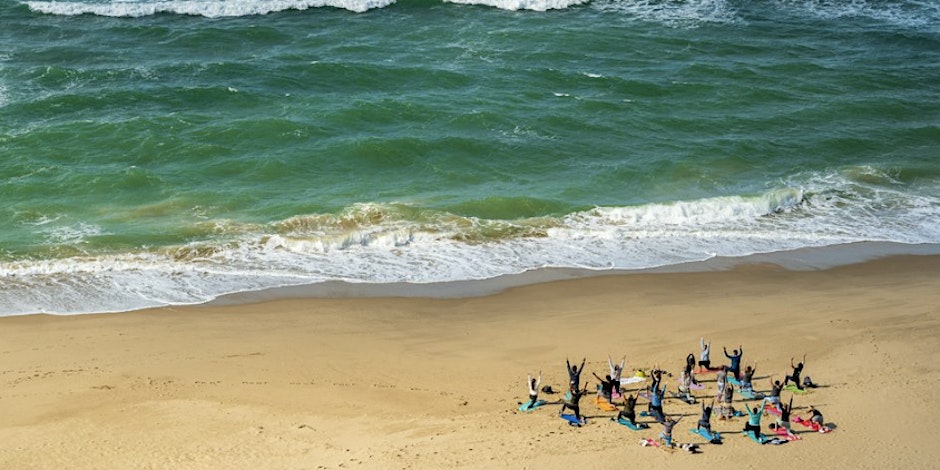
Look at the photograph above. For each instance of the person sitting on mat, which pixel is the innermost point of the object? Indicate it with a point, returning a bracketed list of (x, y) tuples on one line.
[(795, 376), (735, 358), (816, 417), (533, 389), (705, 356), (574, 373), (572, 400)]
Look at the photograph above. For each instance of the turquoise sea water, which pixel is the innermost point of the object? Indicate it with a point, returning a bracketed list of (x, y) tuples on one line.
[(163, 152)]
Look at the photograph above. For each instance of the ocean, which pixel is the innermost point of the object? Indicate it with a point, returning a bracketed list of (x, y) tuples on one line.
[(170, 152)]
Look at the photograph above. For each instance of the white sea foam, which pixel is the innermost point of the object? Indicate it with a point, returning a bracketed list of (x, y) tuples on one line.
[(905, 13), (207, 8), (673, 13), (533, 5), (378, 243)]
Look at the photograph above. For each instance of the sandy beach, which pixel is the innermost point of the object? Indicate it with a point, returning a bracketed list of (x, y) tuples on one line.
[(435, 383)]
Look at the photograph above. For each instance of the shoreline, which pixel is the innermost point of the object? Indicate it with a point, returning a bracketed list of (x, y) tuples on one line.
[(803, 259)]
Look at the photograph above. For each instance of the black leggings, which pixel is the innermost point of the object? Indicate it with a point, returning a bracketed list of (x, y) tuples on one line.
[(532, 400), (575, 408), (796, 380), (753, 429)]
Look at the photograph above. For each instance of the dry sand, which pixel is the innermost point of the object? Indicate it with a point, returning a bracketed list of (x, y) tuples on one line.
[(432, 383)]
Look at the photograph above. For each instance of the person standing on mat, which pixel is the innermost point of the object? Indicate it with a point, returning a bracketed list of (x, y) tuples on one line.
[(572, 400), (616, 371), (795, 376), (735, 358), (574, 373), (533, 389), (705, 356)]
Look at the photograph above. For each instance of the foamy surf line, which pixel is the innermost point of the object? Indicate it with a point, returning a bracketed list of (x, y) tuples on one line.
[(803, 259), (238, 8), (208, 9)]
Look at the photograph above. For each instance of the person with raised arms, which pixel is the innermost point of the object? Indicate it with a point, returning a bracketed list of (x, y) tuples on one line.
[(753, 422), (533, 389), (705, 422), (735, 358), (607, 387), (572, 400), (656, 404), (616, 371), (795, 376), (668, 424), (705, 356), (629, 410), (574, 373)]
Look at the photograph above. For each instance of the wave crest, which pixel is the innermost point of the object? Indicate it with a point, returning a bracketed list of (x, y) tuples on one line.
[(209, 9)]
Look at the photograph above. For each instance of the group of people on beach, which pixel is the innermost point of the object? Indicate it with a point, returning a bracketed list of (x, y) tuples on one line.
[(610, 394)]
